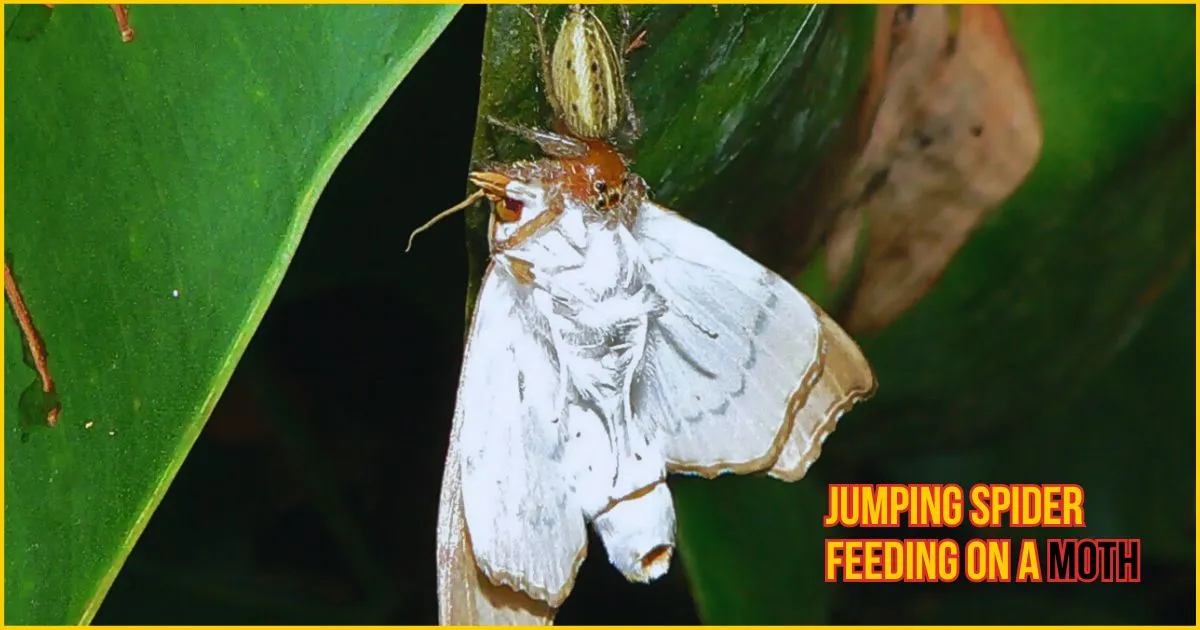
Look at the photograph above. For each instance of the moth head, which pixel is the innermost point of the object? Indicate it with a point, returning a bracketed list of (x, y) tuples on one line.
[(513, 201), (522, 202), (528, 195)]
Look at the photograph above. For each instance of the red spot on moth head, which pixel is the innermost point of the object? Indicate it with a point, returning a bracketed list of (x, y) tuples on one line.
[(510, 210)]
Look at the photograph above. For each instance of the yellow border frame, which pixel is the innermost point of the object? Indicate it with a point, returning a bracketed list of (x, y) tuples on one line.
[(7, 323)]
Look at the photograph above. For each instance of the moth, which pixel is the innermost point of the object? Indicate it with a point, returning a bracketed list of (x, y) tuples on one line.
[(613, 342)]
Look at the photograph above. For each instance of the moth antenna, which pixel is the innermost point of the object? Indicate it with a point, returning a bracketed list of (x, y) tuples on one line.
[(475, 196)]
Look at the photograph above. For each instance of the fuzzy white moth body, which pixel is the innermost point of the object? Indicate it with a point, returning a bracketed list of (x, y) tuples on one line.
[(586, 285), (613, 342)]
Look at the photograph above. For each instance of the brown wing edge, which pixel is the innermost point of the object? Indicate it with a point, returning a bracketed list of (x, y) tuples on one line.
[(805, 389), (846, 379)]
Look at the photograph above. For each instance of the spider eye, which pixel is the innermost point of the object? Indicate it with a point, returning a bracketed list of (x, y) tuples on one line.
[(601, 187)]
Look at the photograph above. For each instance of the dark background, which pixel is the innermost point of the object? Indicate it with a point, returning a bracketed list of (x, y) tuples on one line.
[(311, 496)]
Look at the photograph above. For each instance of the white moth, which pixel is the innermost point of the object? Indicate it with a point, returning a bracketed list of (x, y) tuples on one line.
[(612, 342)]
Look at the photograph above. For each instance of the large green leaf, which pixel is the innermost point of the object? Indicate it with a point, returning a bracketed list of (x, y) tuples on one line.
[(155, 194), (737, 103)]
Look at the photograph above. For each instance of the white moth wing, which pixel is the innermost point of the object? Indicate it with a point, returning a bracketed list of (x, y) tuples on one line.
[(846, 378), (729, 367), (465, 596), (524, 523)]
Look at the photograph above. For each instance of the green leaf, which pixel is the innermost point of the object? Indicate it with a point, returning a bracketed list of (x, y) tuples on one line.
[(156, 192), (737, 103)]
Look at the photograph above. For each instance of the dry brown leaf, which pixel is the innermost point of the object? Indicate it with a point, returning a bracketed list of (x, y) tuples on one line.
[(953, 131)]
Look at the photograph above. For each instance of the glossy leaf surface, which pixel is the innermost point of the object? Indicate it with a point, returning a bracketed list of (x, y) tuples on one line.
[(155, 193)]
